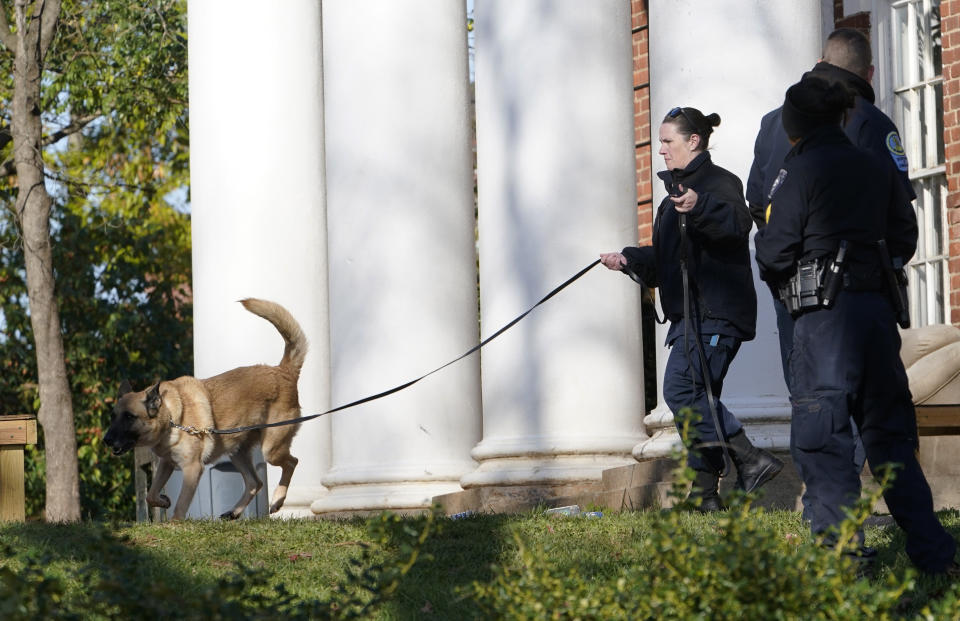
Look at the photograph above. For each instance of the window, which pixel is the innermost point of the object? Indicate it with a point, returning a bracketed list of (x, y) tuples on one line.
[(917, 74)]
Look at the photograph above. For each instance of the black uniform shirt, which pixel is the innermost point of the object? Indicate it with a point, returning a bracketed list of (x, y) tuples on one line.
[(834, 191), (866, 127), (718, 231)]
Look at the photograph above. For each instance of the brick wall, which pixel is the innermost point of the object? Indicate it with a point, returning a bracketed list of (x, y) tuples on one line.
[(950, 36), (860, 21), (641, 121)]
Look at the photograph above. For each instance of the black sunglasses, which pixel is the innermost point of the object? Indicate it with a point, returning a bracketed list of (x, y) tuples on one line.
[(679, 111)]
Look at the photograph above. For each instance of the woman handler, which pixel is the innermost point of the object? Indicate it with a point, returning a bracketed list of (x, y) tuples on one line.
[(701, 235)]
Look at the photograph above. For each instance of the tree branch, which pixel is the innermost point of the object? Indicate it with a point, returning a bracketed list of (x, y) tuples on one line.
[(9, 167), (8, 39), (49, 16)]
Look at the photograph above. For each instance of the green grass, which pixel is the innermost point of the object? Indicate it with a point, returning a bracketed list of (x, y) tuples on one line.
[(186, 561)]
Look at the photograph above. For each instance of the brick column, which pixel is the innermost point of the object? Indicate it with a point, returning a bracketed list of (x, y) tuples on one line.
[(641, 120), (950, 24)]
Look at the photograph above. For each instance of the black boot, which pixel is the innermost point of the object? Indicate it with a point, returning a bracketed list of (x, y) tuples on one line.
[(704, 495), (755, 466)]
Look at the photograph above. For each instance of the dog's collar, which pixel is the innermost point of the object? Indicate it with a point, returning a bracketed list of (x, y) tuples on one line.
[(194, 431)]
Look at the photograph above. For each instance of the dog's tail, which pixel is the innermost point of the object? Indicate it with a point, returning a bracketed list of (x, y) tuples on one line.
[(295, 350)]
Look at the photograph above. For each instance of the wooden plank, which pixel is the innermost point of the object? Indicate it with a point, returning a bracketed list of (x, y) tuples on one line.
[(938, 420), (13, 432), (18, 430), (12, 507)]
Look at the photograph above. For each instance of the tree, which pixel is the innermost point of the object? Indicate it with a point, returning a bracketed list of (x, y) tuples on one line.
[(35, 27), (110, 77)]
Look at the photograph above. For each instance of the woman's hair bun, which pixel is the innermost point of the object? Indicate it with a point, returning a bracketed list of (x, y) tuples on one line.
[(713, 119)]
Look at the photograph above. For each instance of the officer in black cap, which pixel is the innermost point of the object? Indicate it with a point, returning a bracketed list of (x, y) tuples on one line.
[(826, 218), (847, 60)]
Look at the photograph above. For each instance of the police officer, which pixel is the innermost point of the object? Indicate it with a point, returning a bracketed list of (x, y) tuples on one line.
[(846, 60), (845, 360), (701, 262)]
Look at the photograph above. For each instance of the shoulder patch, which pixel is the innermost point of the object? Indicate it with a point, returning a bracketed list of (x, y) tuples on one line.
[(776, 182), (895, 147)]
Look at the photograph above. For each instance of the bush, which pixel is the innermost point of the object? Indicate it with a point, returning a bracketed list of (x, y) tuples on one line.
[(33, 592), (739, 568)]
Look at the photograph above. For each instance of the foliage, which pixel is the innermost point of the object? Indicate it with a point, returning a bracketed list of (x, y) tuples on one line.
[(115, 87), (738, 569), (247, 592), (300, 568)]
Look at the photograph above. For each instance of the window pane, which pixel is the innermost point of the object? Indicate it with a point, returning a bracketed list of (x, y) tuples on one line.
[(901, 45), (901, 108), (921, 206), (935, 37), (924, 129), (922, 34), (936, 213), (939, 313), (919, 314), (938, 114)]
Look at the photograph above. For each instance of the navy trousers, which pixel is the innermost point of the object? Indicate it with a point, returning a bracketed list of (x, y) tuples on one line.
[(845, 363), (683, 386), (785, 332)]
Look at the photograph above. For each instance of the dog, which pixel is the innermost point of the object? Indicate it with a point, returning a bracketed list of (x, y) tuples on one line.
[(237, 398)]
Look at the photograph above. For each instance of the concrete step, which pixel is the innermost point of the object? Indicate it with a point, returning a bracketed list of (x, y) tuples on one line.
[(635, 487)]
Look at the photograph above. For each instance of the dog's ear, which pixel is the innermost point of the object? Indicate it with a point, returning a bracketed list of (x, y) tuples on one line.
[(153, 401), (125, 387)]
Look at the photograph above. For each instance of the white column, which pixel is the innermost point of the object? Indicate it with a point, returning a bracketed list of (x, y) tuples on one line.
[(563, 389), (403, 295), (737, 59), (256, 158)]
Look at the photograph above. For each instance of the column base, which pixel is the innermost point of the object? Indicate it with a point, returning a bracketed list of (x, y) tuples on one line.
[(372, 498), (765, 420), (543, 470)]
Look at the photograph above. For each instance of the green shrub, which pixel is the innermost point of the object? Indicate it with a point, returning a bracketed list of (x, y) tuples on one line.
[(33, 592), (738, 569)]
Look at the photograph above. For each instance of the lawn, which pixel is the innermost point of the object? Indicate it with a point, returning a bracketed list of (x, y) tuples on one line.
[(463, 568)]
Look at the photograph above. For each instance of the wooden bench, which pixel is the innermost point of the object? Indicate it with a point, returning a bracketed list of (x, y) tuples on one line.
[(938, 420), (16, 432)]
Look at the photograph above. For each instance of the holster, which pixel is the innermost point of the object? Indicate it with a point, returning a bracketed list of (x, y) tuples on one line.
[(896, 278), (801, 291), (816, 283)]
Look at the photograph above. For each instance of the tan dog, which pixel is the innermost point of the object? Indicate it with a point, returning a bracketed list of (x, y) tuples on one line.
[(237, 398)]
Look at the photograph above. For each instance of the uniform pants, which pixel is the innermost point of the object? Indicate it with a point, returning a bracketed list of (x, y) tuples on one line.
[(683, 386), (846, 363), (785, 332)]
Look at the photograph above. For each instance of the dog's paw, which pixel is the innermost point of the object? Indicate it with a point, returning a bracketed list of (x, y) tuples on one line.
[(229, 515), (162, 501), (276, 506)]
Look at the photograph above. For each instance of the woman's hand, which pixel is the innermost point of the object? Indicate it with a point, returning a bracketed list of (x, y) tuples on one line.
[(686, 201), (613, 261)]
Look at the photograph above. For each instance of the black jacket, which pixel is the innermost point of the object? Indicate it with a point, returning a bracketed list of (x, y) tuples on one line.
[(866, 127), (835, 191), (718, 229)]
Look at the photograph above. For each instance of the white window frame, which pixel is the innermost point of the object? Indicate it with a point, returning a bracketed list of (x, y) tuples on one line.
[(929, 300)]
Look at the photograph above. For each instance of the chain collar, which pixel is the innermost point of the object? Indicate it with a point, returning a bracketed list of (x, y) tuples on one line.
[(194, 431)]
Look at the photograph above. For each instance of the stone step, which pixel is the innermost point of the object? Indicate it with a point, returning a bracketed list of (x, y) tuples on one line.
[(635, 487)]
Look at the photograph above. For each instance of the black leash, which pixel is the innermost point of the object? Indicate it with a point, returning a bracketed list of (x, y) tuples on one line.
[(196, 431), (704, 367)]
